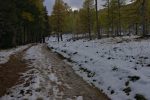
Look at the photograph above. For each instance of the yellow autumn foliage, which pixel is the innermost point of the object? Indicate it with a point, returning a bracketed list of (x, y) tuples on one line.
[(27, 16)]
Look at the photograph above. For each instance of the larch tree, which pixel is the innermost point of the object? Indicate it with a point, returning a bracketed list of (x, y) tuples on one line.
[(87, 16), (97, 20), (144, 5), (58, 18), (107, 6)]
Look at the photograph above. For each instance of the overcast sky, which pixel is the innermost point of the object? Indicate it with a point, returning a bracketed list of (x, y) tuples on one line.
[(73, 3)]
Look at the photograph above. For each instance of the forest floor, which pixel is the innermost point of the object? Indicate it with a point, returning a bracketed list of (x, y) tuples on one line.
[(34, 72)]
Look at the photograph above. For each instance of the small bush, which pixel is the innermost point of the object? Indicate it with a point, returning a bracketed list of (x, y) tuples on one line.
[(75, 53), (148, 65), (86, 61), (139, 97), (115, 68), (133, 78), (91, 59), (109, 58), (89, 73), (127, 83), (127, 90), (112, 92)]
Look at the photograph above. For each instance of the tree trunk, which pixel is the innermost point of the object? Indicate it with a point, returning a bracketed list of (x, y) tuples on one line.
[(97, 20), (119, 15), (89, 23), (58, 37), (144, 30), (61, 37), (108, 19), (136, 28)]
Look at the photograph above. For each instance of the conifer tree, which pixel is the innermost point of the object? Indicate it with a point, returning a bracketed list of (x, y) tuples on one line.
[(21, 22)]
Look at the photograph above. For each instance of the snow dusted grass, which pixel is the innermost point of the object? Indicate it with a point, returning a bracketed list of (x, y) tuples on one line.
[(5, 54), (118, 66)]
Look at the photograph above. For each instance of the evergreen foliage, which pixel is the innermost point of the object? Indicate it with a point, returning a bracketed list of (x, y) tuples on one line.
[(22, 22)]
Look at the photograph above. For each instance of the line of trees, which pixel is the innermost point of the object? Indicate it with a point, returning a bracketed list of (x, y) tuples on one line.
[(125, 18), (117, 18), (60, 18), (22, 22)]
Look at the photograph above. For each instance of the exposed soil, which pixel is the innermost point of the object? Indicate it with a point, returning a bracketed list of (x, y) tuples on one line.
[(10, 72)]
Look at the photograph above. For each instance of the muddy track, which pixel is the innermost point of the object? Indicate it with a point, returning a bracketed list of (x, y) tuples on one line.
[(10, 72), (74, 85), (71, 87)]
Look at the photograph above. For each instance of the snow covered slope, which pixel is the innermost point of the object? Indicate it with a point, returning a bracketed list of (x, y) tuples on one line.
[(120, 67)]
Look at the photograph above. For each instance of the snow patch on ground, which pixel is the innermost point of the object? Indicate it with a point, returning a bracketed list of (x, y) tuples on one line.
[(80, 98), (119, 66), (5, 54)]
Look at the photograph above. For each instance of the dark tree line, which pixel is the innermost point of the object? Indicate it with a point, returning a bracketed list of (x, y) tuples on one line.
[(22, 22)]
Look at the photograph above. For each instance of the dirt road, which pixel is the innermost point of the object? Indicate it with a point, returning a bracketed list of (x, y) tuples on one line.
[(10, 71), (57, 81), (76, 85)]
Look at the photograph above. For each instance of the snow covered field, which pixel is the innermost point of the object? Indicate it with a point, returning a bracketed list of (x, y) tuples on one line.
[(120, 67), (5, 54)]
